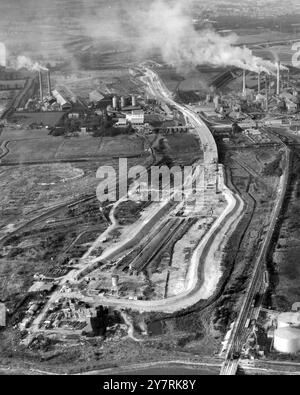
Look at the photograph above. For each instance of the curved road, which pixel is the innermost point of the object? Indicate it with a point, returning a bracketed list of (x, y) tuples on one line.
[(204, 253)]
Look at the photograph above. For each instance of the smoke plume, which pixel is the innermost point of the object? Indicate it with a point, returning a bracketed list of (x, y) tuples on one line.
[(64, 27), (167, 26), (170, 29), (27, 63)]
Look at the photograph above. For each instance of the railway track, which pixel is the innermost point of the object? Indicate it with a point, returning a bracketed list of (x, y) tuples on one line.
[(150, 252), (238, 334)]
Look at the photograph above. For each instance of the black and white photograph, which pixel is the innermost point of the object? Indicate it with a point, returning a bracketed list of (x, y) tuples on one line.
[(149, 190)]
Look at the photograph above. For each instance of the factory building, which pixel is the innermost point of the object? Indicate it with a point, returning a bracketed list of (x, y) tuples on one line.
[(122, 122), (136, 117), (291, 106), (61, 100), (95, 96)]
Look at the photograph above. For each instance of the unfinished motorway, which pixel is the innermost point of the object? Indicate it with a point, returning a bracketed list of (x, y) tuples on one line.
[(161, 225)]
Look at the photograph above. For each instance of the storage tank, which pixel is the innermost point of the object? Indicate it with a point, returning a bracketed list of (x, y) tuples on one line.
[(115, 102), (287, 319), (287, 340), (123, 102)]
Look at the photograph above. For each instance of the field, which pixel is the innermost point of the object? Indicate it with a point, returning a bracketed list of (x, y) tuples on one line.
[(184, 149), (42, 147), (271, 35), (46, 118)]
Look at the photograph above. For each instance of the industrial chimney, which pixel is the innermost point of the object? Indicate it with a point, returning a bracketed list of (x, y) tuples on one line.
[(41, 86), (244, 82), (267, 92), (49, 83), (258, 82), (278, 79)]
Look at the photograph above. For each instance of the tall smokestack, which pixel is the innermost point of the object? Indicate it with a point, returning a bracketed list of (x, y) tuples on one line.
[(258, 82), (49, 83), (278, 79), (244, 82), (267, 92), (2, 55), (41, 86)]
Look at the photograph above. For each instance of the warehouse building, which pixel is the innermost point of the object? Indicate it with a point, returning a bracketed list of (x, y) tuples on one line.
[(95, 97), (61, 100), (136, 117)]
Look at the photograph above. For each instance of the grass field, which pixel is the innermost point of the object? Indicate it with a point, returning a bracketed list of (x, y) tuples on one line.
[(35, 147), (46, 118)]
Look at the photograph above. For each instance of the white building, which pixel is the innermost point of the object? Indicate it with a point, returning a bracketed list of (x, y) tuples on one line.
[(287, 340), (122, 122), (137, 117)]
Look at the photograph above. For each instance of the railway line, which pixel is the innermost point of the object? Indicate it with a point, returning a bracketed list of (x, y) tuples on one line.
[(257, 282), (169, 234), (48, 213)]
